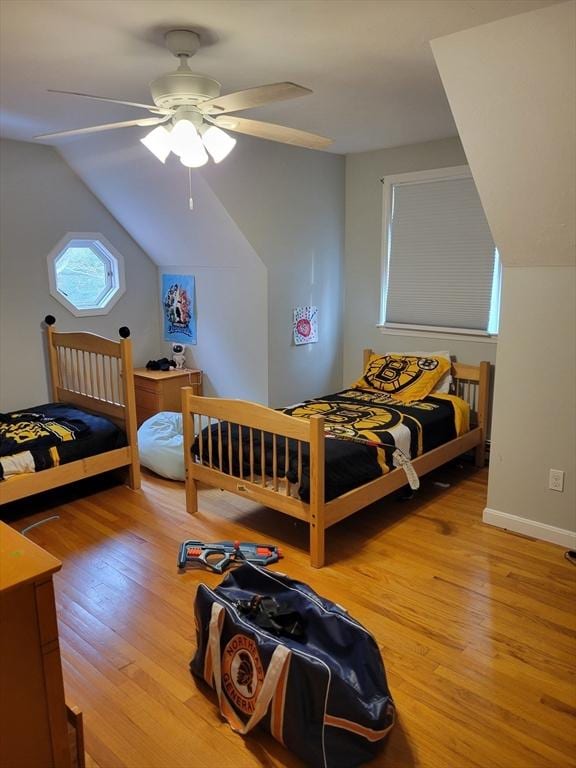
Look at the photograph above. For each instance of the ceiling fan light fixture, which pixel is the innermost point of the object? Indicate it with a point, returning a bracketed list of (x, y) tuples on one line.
[(184, 138), (218, 143), (195, 158), (158, 142), (194, 161)]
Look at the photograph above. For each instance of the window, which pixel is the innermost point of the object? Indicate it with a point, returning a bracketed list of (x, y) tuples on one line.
[(440, 267), (86, 274)]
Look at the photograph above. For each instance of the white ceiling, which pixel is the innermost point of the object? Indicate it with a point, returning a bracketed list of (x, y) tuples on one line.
[(368, 62)]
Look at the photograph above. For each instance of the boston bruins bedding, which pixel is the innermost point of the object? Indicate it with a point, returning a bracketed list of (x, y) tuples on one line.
[(365, 425), (49, 435)]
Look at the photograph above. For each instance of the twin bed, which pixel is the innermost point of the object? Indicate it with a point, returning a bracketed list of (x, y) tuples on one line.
[(318, 461), (88, 428), (339, 454)]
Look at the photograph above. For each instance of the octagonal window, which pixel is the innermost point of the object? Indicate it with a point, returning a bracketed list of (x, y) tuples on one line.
[(86, 274)]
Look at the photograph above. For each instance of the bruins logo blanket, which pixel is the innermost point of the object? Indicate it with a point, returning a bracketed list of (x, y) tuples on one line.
[(366, 427), (25, 431), (52, 434)]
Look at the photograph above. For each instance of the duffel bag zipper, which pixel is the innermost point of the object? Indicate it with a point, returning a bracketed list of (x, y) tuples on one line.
[(320, 605)]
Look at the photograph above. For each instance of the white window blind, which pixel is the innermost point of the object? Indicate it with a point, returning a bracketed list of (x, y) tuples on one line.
[(440, 256)]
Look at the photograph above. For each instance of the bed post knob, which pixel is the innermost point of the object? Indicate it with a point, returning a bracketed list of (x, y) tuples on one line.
[(124, 331), (49, 319)]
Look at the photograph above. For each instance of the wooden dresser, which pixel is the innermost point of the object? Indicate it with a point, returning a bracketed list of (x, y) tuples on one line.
[(34, 722), (160, 390)]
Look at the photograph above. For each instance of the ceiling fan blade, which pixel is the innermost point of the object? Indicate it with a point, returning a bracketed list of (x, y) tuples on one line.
[(273, 132), (151, 107), (253, 97), (145, 121)]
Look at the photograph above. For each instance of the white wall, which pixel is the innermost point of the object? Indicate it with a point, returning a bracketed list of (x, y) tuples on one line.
[(363, 251), (270, 214), (534, 418), (289, 203), (232, 333), (40, 200), (511, 86)]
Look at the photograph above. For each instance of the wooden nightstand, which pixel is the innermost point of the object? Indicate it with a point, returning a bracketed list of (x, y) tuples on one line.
[(160, 390)]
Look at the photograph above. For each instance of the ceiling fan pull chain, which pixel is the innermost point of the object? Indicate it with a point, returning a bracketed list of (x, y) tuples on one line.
[(190, 199)]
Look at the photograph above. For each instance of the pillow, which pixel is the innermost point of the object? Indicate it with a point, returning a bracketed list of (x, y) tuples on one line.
[(404, 377), (443, 386)]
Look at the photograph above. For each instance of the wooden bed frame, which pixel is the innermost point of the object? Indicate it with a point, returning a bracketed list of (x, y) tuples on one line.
[(95, 374), (471, 383)]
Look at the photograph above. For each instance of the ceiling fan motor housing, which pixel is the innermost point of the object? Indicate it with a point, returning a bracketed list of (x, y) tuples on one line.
[(181, 88)]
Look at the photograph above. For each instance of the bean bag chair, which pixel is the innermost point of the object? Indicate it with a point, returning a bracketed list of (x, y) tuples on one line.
[(160, 443)]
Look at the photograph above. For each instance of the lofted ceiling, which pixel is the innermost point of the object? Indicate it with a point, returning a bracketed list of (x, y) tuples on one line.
[(368, 62)]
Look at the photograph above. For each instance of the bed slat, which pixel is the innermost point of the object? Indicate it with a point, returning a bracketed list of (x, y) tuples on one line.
[(240, 452)]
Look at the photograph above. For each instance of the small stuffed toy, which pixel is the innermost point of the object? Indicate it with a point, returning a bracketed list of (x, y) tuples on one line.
[(179, 355)]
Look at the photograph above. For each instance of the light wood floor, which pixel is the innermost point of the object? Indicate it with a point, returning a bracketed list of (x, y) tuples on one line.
[(476, 626)]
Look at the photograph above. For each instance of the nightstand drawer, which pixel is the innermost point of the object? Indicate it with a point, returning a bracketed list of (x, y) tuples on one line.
[(149, 400), (148, 385), (145, 413)]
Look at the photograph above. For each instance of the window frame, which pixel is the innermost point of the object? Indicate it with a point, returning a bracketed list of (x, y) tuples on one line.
[(102, 247), (424, 176)]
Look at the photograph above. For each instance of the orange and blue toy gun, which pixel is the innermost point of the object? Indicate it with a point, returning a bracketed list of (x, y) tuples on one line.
[(221, 554)]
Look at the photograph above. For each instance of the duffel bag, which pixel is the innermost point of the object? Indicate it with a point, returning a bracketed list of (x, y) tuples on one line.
[(276, 652)]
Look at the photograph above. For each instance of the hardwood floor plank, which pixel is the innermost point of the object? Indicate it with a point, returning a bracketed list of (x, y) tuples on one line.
[(476, 626), (512, 705)]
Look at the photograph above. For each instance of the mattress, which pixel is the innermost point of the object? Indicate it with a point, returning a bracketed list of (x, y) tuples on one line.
[(48, 435), (353, 418)]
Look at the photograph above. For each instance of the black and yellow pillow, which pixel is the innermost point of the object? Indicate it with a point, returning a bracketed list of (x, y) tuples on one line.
[(405, 377)]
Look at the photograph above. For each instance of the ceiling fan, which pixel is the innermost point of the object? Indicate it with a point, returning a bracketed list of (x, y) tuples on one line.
[(189, 113)]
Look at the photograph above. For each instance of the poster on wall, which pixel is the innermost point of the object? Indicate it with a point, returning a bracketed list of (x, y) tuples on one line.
[(305, 325), (178, 304)]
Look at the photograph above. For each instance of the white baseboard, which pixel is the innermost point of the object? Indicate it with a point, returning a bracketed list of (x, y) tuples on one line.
[(530, 528)]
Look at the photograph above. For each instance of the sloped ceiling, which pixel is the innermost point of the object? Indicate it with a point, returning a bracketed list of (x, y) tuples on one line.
[(151, 202), (514, 103)]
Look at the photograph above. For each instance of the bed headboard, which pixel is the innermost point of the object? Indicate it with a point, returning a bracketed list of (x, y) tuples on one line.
[(93, 373), (472, 384)]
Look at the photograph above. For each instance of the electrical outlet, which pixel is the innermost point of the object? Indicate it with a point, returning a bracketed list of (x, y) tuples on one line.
[(556, 480)]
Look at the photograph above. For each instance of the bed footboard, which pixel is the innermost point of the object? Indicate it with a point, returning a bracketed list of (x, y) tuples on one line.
[(256, 463)]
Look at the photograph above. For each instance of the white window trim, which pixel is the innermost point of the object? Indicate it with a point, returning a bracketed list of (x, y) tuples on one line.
[(61, 246), (405, 329), (429, 332)]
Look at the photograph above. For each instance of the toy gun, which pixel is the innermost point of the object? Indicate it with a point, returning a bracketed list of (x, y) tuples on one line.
[(219, 555)]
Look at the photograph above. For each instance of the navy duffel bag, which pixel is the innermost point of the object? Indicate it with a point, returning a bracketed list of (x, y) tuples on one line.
[(278, 653)]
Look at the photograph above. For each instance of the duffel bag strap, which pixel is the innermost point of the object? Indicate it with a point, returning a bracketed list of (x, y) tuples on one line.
[(370, 734), (274, 680)]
